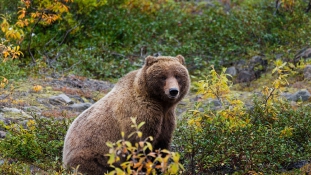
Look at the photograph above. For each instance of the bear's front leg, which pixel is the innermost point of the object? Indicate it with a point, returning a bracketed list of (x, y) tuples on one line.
[(167, 128)]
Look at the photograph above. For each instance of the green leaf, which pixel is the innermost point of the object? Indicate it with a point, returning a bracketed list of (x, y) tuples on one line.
[(140, 125), (109, 144)]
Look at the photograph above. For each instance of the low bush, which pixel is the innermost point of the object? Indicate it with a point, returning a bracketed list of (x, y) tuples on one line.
[(265, 144), (38, 144), (268, 137), (141, 158)]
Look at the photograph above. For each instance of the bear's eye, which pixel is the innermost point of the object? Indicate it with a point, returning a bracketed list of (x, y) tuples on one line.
[(163, 77), (177, 76)]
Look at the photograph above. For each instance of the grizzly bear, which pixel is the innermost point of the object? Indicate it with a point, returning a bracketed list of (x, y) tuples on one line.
[(150, 94)]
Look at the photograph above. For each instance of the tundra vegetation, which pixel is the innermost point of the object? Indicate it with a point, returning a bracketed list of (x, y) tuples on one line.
[(266, 134)]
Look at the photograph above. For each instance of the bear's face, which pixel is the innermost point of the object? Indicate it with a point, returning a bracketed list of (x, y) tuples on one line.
[(167, 78)]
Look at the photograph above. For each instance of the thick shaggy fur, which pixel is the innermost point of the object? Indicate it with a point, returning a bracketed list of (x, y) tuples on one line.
[(145, 94)]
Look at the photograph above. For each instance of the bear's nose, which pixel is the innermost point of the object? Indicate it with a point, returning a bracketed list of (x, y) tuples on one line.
[(173, 92)]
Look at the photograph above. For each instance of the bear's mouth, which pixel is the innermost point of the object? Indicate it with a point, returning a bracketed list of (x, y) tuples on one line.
[(172, 97)]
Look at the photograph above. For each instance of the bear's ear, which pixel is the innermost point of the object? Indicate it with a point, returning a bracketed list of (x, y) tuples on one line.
[(181, 59), (149, 60)]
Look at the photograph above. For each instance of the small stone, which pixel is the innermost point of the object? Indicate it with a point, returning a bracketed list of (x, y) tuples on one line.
[(231, 71), (215, 102), (31, 108), (256, 59), (245, 76), (302, 94), (14, 110), (2, 134), (287, 95), (80, 106), (60, 99), (307, 72), (1, 117)]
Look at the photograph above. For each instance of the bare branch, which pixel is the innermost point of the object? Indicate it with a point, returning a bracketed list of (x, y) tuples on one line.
[(30, 38)]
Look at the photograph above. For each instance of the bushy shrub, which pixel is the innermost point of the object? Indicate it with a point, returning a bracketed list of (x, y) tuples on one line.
[(11, 70), (268, 137), (258, 146), (140, 158), (39, 143)]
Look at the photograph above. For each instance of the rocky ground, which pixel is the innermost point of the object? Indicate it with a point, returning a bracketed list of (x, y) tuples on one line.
[(49, 97), (68, 96)]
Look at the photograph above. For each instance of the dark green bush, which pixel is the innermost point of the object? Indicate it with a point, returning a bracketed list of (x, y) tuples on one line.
[(210, 35), (110, 40), (10, 69)]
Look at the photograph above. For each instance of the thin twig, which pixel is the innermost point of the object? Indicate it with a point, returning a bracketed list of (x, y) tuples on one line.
[(67, 32), (30, 39)]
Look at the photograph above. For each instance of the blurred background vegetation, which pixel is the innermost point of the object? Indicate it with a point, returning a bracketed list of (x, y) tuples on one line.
[(106, 39)]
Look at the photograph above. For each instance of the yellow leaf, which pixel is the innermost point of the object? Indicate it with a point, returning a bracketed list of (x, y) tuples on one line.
[(149, 146), (5, 54), (165, 151), (37, 88), (174, 168), (139, 134), (2, 85), (175, 157), (133, 119), (4, 25)]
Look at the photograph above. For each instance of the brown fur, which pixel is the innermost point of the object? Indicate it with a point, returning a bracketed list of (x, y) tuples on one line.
[(144, 94)]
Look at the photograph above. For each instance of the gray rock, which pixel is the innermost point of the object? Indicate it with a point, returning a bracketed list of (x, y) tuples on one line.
[(302, 94), (258, 64), (201, 109), (77, 98), (31, 109), (1, 117), (257, 59), (241, 65), (304, 53), (286, 95), (245, 76), (3, 96), (2, 134), (60, 99), (19, 112), (231, 71), (79, 107), (307, 72), (279, 56), (14, 110), (214, 102)]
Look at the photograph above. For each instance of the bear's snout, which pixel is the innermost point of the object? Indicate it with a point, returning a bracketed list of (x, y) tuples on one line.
[(173, 92), (171, 88)]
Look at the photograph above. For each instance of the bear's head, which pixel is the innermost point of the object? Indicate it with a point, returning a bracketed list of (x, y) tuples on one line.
[(165, 78)]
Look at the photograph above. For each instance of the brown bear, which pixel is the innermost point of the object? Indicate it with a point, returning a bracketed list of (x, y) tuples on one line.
[(150, 94)]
